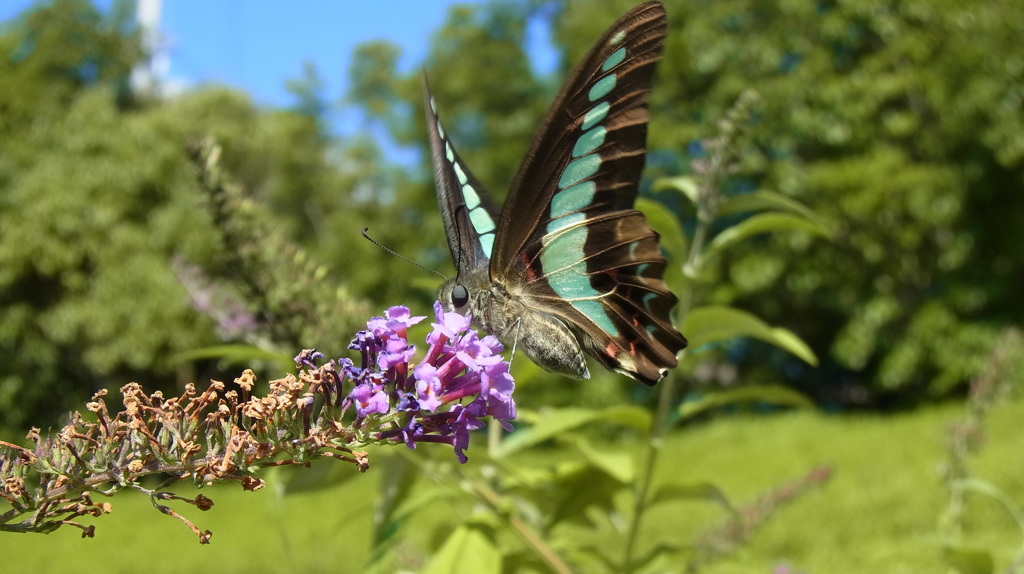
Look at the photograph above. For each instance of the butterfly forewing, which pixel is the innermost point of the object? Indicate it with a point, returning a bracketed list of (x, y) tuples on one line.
[(468, 210), (594, 133), (573, 266), (585, 254)]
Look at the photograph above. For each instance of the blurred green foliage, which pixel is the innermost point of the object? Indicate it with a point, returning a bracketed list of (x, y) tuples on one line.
[(99, 198), (899, 124)]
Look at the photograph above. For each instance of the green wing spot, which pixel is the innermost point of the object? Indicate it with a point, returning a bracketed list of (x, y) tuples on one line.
[(472, 199), (481, 220), (458, 172), (602, 88), (565, 271), (571, 283), (564, 250), (596, 313), (448, 154), (618, 37), (595, 115), (563, 222), (573, 199), (487, 243), (440, 130), (589, 141), (579, 170), (614, 60)]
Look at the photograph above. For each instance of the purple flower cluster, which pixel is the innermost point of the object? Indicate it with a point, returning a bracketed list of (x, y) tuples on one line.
[(462, 379)]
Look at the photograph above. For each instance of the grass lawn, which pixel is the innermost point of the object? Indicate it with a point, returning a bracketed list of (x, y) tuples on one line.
[(880, 511)]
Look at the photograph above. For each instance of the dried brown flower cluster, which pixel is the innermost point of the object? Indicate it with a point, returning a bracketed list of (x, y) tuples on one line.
[(217, 435)]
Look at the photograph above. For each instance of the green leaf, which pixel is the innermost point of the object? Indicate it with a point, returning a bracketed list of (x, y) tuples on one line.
[(968, 560), (629, 416), (673, 241), (618, 465), (687, 186), (992, 491), (717, 323), (692, 491), (773, 394), (578, 487), (552, 423), (765, 201), (398, 502), (556, 422), (765, 223), (466, 550)]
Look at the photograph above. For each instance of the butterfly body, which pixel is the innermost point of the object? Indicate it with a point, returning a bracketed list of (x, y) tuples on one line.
[(545, 338), (568, 268)]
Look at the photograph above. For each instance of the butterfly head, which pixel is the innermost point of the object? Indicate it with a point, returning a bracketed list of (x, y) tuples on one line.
[(454, 296)]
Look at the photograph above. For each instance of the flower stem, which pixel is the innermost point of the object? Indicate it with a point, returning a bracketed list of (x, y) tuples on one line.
[(722, 162), (525, 532)]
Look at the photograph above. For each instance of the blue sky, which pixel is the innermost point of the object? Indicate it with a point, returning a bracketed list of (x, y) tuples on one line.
[(257, 45)]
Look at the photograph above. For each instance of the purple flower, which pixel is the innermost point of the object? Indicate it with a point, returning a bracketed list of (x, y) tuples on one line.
[(396, 350), (369, 399), (461, 380), (308, 358), (448, 324)]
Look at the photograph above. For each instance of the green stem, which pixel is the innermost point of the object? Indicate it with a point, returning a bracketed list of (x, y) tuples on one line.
[(721, 163), (526, 533), (660, 424)]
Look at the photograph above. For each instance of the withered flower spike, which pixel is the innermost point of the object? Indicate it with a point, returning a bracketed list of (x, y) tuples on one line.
[(325, 410)]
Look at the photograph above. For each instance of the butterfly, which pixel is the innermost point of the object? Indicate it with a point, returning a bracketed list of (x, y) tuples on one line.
[(568, 268)]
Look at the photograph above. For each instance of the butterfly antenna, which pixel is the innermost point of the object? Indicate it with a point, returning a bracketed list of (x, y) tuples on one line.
[(400, 256)]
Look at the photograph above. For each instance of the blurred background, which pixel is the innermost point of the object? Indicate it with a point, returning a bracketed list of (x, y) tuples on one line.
[(900, 124)]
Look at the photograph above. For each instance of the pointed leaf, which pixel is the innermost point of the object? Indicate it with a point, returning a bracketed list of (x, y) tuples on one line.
[(619, 465), (658, 554), (765, 201), (692, 491), (992, 491), (772, 394), (557, 422), (765, 223), (686, 185), (553, 423), (673, 241), (629, 416), (717, 323), (578, 488), (397, 479), (465, 550)]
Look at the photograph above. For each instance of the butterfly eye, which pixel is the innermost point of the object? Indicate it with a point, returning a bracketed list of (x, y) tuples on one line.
[(460, 296)]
